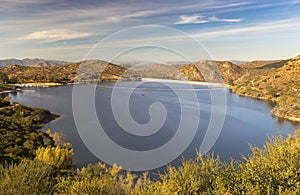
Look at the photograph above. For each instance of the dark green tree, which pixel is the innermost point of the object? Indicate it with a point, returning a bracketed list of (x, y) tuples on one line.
[(3, 78)]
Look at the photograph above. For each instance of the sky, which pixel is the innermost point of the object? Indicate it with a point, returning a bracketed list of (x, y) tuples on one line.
[(161, 31)]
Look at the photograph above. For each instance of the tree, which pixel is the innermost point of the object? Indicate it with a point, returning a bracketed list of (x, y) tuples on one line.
[(3, 78), (13, 80)]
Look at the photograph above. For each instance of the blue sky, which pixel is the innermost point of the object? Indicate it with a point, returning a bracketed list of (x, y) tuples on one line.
[(227, 30)]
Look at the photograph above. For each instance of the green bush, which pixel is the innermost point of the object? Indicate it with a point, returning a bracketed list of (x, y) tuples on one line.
[(98, 179), (28, 177), (20, 133), (272, 169)]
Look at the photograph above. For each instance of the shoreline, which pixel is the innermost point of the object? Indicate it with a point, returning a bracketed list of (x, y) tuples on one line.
[(9, 91), (38, 85), (273, 113), (185, 82)]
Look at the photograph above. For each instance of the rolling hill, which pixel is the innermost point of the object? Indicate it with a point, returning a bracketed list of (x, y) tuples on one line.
[(212, 71), (81, 71), (281, 85), (159, 71)]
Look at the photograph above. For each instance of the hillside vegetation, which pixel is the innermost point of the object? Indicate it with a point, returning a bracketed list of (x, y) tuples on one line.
[(263, 64), (274, 169), (20, 133), (159, 71), (281, 85), (81, 71), (212, 71)]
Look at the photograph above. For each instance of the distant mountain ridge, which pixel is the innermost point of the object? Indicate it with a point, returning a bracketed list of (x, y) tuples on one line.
[(238, 62), (36, 62)]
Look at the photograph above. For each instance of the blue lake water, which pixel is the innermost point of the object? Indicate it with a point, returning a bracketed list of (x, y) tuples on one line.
[(247, 121)]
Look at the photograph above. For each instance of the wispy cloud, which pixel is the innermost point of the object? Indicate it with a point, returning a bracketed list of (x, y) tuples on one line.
[(30, 23), (277, 26), (215, 19), (198, 19), (260, 29), (54, 35), (26, 1), (7, 5), (191, 20)]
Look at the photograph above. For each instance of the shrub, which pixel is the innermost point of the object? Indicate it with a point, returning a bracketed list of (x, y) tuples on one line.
[(29, 177), (275, 169), (272, 169), (56, 156)]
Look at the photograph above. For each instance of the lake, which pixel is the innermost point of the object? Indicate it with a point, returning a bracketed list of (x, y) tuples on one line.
[(247, 121)]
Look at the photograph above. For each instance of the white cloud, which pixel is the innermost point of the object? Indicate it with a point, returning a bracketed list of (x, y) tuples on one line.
[(215, 19), (198, 19), (54, 35), (191, 20)]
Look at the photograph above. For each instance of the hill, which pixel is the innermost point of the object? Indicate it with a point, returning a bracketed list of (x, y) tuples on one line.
[(81, 71), (212, 71), (90, 70), (191, 72), (31, 62), (209, 70), (263, 64), (281, 86), (159, 71)]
